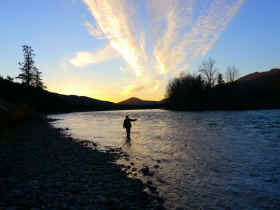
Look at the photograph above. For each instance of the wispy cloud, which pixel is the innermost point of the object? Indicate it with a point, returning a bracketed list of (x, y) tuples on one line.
[(185, 37), (114, 19), (178, 32), (84, 58), (94, 30)]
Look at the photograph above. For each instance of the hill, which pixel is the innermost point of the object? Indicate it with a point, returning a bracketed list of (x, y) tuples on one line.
[(265, 82), (48, 102), (259, 90), (137, 101), (270, 75)]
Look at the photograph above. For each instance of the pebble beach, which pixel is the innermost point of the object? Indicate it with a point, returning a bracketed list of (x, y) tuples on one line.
[(43, 168)]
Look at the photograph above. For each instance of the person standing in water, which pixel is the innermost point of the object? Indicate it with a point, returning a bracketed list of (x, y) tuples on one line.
[(127, 125)]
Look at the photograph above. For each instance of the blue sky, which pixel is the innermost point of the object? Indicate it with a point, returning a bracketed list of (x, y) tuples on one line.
[(114, 49), (252, 40)]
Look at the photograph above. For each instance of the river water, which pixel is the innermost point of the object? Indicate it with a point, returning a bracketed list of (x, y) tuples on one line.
[(200, 160)]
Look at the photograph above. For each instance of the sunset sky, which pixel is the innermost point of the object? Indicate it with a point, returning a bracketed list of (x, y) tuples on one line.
[(115, 49)]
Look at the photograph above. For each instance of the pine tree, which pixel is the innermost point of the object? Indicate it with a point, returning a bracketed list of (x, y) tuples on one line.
[(30, 74), (26, 67), (37, 80)]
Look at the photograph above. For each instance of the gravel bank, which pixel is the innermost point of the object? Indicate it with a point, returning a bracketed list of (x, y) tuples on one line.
[(41, 168)]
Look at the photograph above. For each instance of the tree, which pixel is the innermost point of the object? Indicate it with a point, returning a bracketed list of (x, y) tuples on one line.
[(232, 74), (37, 80), (26, 67), (220, 79), (209, 72), (30, 74), (185, 92)]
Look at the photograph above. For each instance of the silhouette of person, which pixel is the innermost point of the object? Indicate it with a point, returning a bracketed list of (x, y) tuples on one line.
[(127, 125)]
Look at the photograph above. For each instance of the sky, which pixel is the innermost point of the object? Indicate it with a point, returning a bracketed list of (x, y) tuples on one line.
[(115, 49)]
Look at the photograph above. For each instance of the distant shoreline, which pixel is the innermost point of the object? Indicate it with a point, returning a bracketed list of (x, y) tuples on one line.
[(198, 109), (221, 108), (252, 92)]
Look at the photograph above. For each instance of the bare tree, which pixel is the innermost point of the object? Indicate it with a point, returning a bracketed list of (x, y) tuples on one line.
[(232, 74), (209, 72)]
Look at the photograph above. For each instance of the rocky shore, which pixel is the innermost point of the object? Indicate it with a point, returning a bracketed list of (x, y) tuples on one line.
[(42, 168)]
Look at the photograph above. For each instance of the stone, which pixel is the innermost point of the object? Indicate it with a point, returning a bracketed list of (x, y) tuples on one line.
[(146, 171), (156, 166)]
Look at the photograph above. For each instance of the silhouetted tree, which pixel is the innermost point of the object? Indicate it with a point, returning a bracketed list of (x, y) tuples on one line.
[(30, 74), (37, 80), (185, 92), (209, 72), (220, 79), (232, 74), (254, 91), (26, 67)]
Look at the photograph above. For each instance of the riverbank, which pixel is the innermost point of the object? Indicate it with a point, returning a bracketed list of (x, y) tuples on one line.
[(42, 168)]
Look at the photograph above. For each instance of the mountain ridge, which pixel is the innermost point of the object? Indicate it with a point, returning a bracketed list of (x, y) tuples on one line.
[(137, 101), (260, 75), (49, 102), (258, 89)]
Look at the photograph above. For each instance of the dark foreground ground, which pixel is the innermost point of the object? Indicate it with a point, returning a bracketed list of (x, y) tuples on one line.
[(41, 168)]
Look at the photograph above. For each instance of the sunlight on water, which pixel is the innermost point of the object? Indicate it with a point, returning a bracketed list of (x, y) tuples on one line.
[(199, 159)]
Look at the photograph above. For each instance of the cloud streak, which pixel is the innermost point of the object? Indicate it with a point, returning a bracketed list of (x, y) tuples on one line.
[(177, 32), (84, 58), (114, 19), (186, 38)]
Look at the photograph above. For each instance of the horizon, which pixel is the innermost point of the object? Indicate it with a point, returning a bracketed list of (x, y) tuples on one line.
[(115, 50)]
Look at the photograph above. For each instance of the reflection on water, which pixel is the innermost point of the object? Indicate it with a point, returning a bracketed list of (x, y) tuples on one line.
[(207, 160)]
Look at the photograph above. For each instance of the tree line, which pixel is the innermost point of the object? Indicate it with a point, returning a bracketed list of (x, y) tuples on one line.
[(29, 75), (200, 90)]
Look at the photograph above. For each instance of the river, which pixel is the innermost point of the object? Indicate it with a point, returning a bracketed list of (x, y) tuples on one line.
[(199, 160)]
